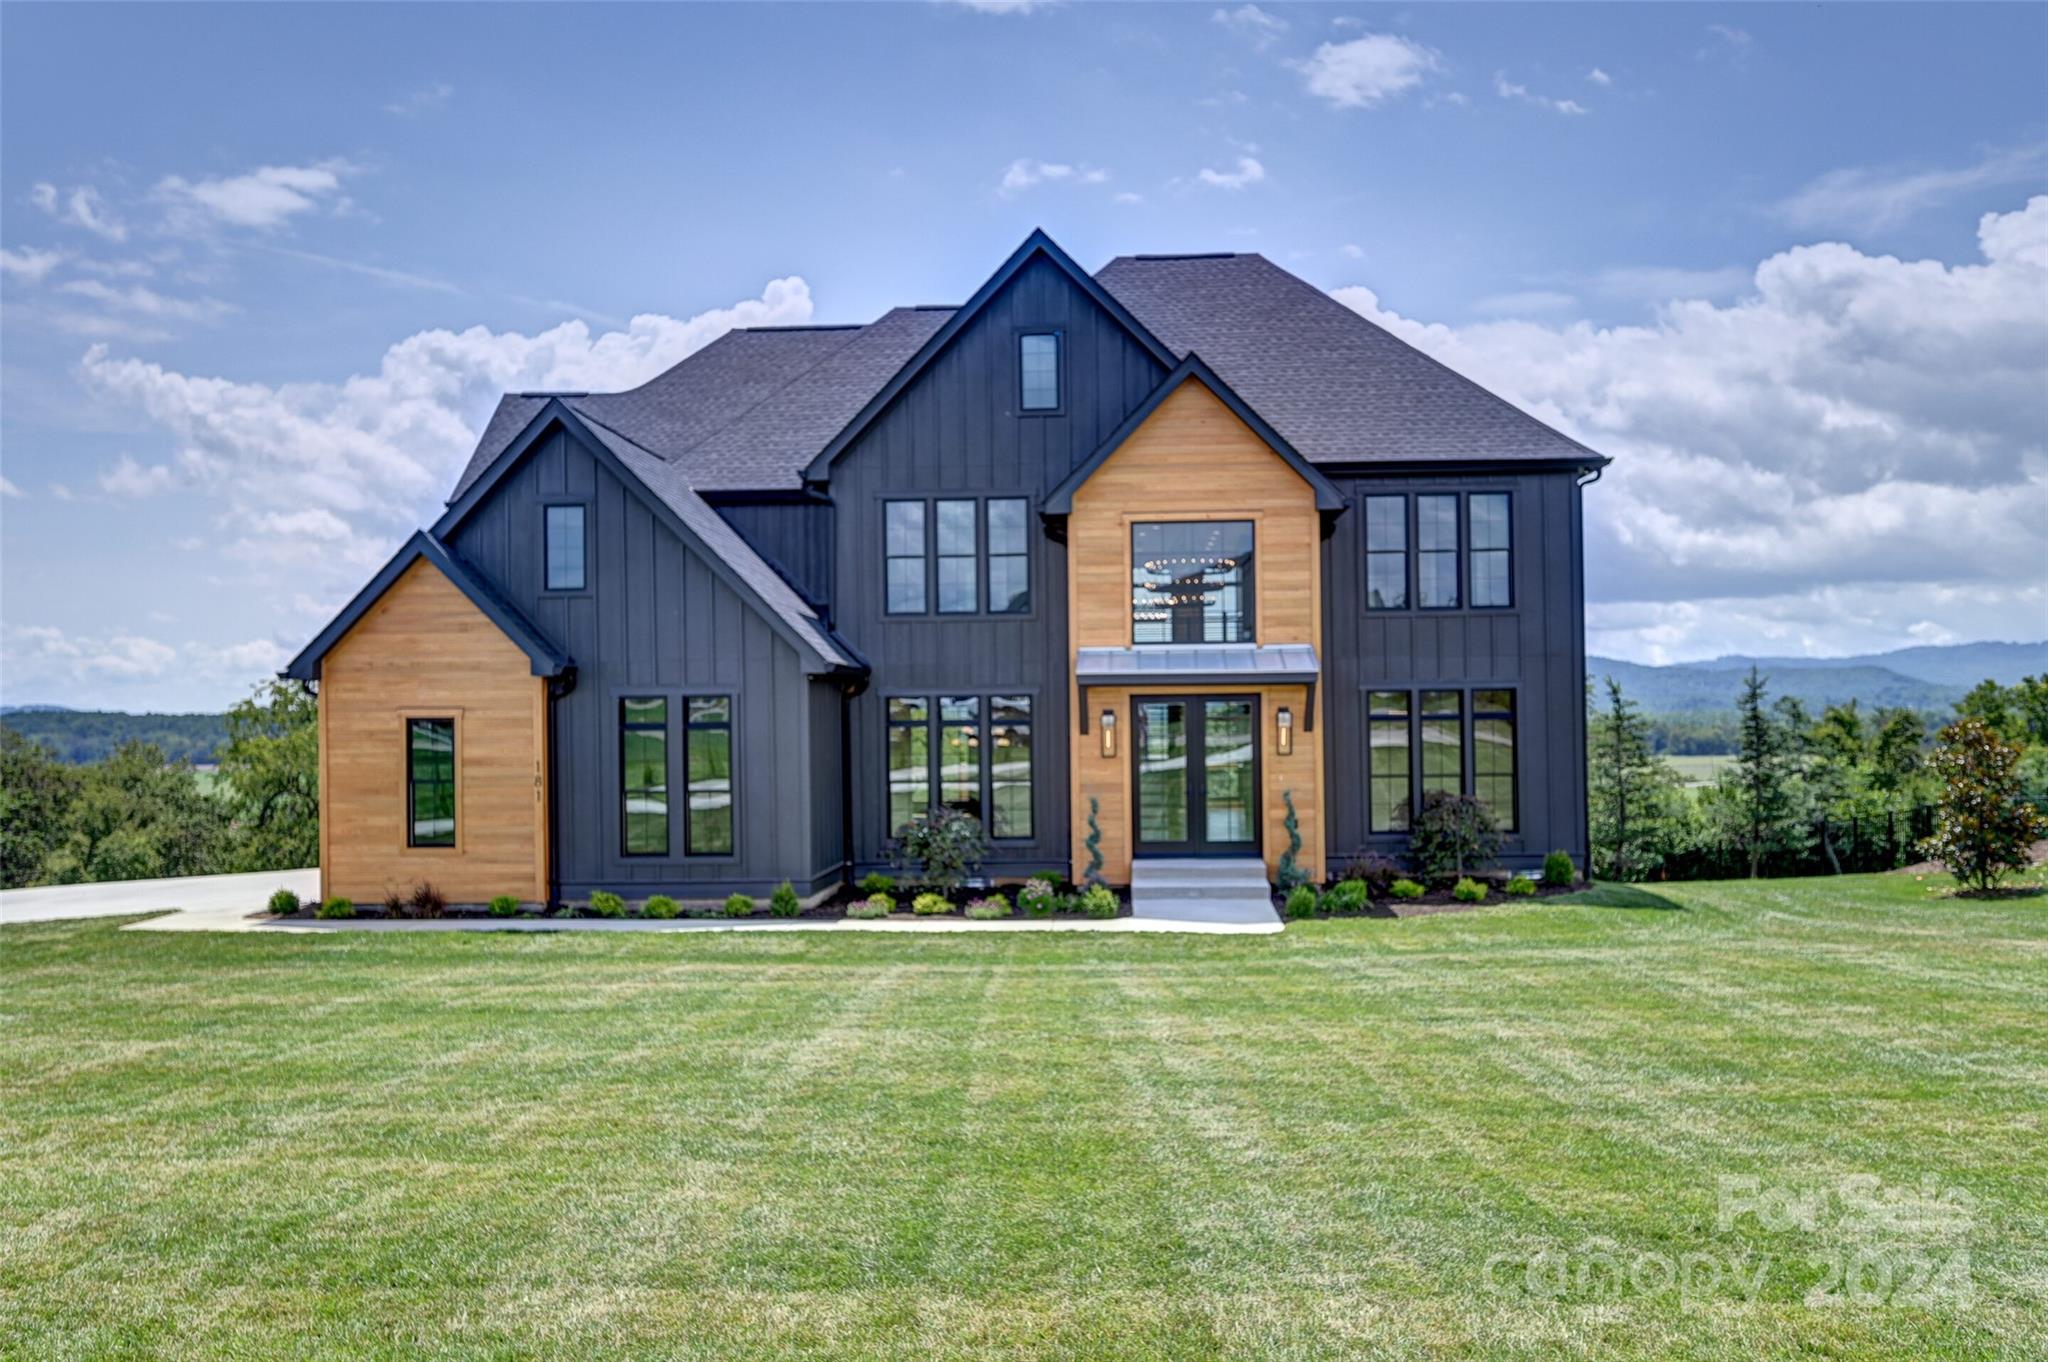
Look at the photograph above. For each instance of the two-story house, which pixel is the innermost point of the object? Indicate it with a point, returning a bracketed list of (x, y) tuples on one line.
[(1171, 547)]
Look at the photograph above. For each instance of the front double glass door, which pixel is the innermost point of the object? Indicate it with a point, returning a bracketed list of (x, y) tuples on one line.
[(1197, 783)]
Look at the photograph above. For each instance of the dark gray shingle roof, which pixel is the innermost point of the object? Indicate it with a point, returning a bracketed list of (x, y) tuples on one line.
[(1338, 387)]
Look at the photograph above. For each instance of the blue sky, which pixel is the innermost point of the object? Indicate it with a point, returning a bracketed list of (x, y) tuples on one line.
[(267, 268)]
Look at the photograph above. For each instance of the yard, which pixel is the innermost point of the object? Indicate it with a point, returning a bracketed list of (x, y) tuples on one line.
[(1355, 1138)]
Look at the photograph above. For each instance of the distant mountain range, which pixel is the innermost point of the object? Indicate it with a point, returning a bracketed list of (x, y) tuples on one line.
[(1925, 678)]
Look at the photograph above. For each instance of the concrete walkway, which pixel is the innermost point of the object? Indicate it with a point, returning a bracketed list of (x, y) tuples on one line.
[(234, 903)]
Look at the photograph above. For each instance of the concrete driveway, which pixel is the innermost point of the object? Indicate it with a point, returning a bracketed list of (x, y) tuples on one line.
[(210, 899)]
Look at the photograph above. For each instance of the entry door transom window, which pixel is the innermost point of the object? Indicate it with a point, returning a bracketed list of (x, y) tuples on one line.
[(1191, 581)]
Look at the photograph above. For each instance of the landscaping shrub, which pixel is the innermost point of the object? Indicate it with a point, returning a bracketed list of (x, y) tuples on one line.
[(1559, 870), (394, 903), (931, 905), (1469, 891), (875, 905), (1520, 887), (427, 901), (877, 883), (1100, 901), (1288, 875), (1453, 834), (1347, 896), (784, 902), (1405, 889), (605, 903), (739, 905), (1038, 898), (946, 843), (1372, 870), (336, 907), (1301, 901), (1984, 827), (504, 905), (284, 901), (661, 906), (986, 909)]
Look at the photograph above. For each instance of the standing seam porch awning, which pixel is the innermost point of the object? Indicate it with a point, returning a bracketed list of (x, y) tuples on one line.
[(1229, 664)]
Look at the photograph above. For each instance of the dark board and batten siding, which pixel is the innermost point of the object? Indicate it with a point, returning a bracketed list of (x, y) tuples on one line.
[(1536, 647), (656, 620), (795, 537), (957, 431)]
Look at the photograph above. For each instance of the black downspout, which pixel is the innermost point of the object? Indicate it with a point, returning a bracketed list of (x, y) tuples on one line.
[(558, 688)]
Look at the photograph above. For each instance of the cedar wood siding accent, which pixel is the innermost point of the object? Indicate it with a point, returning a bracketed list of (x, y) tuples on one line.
[(1192, 459), (957, 431), (1536, 647), (425, 651), (655, 620)]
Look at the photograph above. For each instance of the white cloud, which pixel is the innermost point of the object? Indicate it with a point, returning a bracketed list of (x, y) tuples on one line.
[(35, 652), (1663, 283), (423, 100), (1529, 303), (1366, 71), (1247, 171), (1599, 77), (1730, 44), (1857, 428), (28, 264), (1127, 197), (1025, 173), (79, 207), (1867, 200), (8, 489), (286, 463), (265, 197), (1352, 251), (127, 478), (1508, 89), (381, 273), (148, 302), (1249, 21)]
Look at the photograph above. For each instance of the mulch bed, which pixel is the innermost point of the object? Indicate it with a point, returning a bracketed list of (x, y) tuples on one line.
[(832, 909), (1435, 901)]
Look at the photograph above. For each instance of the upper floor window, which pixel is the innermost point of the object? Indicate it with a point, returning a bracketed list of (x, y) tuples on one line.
[(563, 548), (977, 557), (1191, 581), (1489, 578), (1038, 371), (1386, 553), (430, 782), (1436, 541)]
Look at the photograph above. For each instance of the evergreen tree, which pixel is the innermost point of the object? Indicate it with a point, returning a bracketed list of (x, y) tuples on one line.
[(1758, 789), (1628, 791)]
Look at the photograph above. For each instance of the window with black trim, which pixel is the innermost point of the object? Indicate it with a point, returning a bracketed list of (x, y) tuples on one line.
[(1390, 737), (643, 776), (1493, 755), (1191, 581), (1009, 555), (960, 753), (1443, 743), (1009, 766), (959, 553), (1386, 553), (1038, 371), (564, 548), (430, 782), (707, 750), (974, 751), (903, 564), (910, 789), (1491, 577), (1436, 559)]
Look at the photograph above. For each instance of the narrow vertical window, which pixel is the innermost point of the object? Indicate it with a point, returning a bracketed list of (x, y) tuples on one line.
[(430, 782), (1492, 572), (910, 756), (1443, 743), (707, 748), (1009, 556), (1390, 741), (1436, 562), (903, 564), (643, 776), (1386, 553), (1009, 766), (959, 553), (563, 548), (960, 754), (1038, 371), (1493, 754)]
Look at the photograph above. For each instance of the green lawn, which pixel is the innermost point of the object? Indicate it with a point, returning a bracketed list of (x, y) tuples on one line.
[(1077, 1146), (1695, 772)]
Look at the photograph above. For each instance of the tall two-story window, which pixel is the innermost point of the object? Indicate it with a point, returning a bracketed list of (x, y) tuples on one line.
[(1038, 371), (903, 551), (1389, 737), (643, 776), (707, 749), (1009, 766), (910, 791), (430, 782), (1491, 575), (562, 547), (1443, 743), (1009, 556), (1493, 754), (1386, 553), (1191, 581), (1436, 559), (959, 546)]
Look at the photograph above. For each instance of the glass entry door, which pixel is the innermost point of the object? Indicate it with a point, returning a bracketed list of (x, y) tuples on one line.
[(1197, 776)]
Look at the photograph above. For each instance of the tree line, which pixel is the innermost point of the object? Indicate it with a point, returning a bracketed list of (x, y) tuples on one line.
[(1842, 791)]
